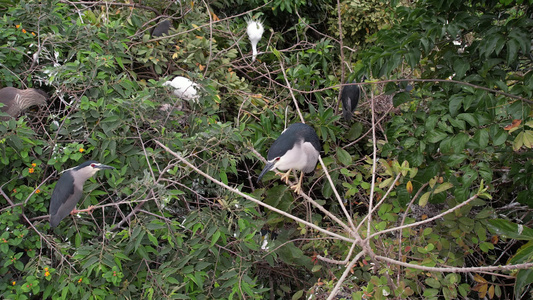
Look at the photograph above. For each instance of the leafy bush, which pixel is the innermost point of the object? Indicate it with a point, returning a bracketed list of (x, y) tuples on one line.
[(404, 204)]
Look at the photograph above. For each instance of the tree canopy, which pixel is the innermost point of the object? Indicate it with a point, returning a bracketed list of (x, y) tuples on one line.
[(427, 193)]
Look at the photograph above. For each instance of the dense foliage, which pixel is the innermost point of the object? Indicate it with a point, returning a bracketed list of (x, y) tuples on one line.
[(441, 145)]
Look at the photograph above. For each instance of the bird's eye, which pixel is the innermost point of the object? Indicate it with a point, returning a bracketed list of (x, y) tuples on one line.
[(277, 158), (93, 165)]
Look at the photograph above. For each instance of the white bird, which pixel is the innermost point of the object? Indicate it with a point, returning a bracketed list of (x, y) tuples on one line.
[(255, 31), (184, 88)]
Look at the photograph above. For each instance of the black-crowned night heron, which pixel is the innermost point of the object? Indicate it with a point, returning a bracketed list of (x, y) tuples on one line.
[(350, 97), (69, 189), (184, 88), (255, 32), (297, 148), (161, 28), (16, 101)]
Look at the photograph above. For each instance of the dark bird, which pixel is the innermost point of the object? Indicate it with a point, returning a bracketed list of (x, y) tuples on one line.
[(69, 189), (161, 28), (350, 97), (16, 101), (298, 148)]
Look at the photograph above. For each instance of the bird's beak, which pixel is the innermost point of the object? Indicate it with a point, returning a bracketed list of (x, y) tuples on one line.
[(103, 167), (269, 166)]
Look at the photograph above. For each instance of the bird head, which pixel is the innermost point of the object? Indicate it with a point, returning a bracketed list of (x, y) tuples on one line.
[(270, 165), (90, 167)]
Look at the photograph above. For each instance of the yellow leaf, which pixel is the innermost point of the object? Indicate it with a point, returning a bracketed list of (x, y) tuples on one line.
[(432, 182), (443, 187), (409, 187), (483, 290), (491, 291), (528, 138), (518, 142), (424, 199), (479, 279)]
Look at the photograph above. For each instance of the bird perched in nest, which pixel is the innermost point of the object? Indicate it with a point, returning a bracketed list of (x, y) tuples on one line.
[(184, 88), (16, 101), (255, 32), (298, 148), (69, 189)]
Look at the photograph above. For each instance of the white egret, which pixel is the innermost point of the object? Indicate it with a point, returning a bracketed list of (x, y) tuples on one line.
[(184, 88), (255, 32)]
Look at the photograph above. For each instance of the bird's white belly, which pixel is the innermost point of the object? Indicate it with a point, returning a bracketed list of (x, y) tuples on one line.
[(301, 158)]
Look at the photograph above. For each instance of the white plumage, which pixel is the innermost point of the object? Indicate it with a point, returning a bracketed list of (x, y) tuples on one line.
[(184, 88), (255, 32)]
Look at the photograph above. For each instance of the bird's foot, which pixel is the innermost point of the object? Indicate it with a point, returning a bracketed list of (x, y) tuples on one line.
[(285, 177), (87, 210), (298, 187)]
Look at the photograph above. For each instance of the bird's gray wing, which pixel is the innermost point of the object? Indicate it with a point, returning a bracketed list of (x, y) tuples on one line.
[(64, 199), (63, 190)]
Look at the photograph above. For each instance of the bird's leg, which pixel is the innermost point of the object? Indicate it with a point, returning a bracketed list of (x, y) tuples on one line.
[(285, 177), (87, 210), (298, 187)]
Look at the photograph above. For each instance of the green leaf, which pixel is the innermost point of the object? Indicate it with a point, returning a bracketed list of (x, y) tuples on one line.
[(344, 157), (511, 230), (297, 295), (215, 238), (523, 279), (432, 282), (435, 136), (468, 118), (512, 51), (499, 137), (481, 137), (455, 104), (523, 255), (460, 66)]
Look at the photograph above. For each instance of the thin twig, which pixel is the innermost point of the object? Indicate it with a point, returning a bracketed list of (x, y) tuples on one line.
[(426, 220)]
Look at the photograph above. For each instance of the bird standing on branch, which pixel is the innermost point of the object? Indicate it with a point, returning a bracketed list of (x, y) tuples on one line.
[(69, 189), (298, 148)]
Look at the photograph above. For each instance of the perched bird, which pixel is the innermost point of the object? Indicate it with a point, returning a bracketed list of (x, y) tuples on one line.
[(184, 88), (298, 148), (350, 97), (255, 32), (16, 101), (161, 28), (69, 189)]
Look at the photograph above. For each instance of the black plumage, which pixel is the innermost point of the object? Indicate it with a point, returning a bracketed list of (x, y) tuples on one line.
[(350, 95), (291, 150), (161, 28)]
